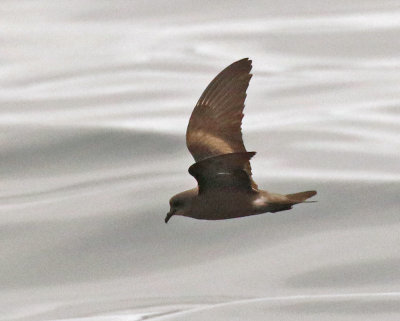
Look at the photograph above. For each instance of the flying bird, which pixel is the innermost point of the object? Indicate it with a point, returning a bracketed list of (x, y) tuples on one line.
[(222, 168)]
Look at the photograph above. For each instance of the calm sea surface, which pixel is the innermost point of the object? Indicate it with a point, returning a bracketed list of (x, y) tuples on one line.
[(95, 97)]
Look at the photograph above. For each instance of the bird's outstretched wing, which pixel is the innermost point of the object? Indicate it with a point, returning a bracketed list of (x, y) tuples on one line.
[(215, 124), (223, 171)]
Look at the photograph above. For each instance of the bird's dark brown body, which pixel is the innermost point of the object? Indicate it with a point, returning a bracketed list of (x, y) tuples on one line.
[(221, 204), (225, 185), (231, 203)]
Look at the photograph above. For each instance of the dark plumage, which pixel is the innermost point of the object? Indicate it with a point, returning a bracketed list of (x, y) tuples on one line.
[(214, 137)]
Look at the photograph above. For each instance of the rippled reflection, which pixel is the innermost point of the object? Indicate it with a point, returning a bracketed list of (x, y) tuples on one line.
[(95, 99)]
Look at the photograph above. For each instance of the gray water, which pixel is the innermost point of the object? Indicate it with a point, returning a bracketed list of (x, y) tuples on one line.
[(95, 98)]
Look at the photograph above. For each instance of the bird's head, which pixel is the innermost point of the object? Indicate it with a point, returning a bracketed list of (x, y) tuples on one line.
[(180, 203)]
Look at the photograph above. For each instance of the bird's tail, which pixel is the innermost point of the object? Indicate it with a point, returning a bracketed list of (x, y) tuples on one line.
[(301, 197)]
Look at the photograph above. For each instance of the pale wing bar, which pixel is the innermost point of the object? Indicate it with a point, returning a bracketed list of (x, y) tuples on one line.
[(215, 125)]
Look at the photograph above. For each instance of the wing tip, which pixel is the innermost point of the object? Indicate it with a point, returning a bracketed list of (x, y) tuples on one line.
[(245, 62), (245, 59)]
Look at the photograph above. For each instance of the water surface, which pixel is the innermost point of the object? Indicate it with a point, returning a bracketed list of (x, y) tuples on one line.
[(95, 99)]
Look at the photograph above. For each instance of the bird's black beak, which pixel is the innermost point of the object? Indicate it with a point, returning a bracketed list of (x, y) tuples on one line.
[(169, 215)]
